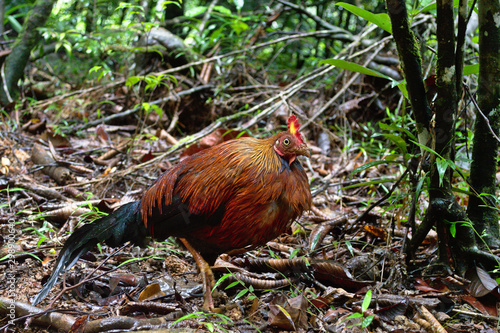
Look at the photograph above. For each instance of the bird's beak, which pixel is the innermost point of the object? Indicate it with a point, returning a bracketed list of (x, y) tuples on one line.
[(303, 150)]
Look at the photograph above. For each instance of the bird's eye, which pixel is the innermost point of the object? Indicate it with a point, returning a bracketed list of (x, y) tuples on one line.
[(286, 142)]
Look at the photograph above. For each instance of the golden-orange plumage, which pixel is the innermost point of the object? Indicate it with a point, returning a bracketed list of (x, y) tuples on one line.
[(239, 194), (259, 195)]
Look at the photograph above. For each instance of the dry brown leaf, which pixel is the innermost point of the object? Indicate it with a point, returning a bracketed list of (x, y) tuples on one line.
[(5, 165), (481, 283), (376, 231), (288, 314), (151, 291)]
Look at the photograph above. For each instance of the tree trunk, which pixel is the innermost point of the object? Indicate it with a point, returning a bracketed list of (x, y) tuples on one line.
[(443, 208), (412, 67), (13, 68), (457, 242), (2, 15), (482, 210)]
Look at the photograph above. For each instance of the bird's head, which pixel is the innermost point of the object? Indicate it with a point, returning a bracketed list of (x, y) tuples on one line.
[(290, 144)]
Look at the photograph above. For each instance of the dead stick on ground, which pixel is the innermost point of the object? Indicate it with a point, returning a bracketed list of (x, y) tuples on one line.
[(436, 326)]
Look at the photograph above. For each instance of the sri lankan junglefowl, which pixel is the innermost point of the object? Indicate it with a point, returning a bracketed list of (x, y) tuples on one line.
[(234, 196)]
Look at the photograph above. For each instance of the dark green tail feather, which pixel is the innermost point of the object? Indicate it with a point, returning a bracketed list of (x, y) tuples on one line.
[(125, 224)]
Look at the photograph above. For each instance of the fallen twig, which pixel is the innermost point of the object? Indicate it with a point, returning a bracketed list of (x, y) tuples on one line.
[(42, 157)]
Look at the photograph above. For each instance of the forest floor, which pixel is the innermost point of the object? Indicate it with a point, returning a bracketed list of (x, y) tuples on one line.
[(315, 278), (341, 267)]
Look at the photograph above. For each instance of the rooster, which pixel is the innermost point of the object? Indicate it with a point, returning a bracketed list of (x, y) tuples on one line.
[(231, 197)]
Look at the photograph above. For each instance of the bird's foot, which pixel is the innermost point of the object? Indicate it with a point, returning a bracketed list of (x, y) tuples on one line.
[(208, 284), (207, 276)]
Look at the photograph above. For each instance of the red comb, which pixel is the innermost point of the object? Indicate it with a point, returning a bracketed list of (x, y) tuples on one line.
[(293, 127)]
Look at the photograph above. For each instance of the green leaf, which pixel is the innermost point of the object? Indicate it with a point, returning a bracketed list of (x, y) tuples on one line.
[(232, 284), (210, 327), (420, 184), (173, 79), (95, 69), (16, 8), (164, 4), (225, 276), (402, 88), (392, 158), (366, 301), (129, 261), (146, 107), (14, 23), (216, 34), (12, 189), (188, 316), (387, 127), (40, 241), (471, 69), (34, 256), (132, 81), (424, 147), (157, 110), (395, 128), (433, 6), (315, 241), (398, 141), (367, 321), (67, 47), (223, 10), (381, 20), (239, 26), (442, 166), (294, 253), (124, 5), (287, 315), (369, 165), (241, 293), (349, 247), (428, 8), (195, 11), (351, 66), (355, 315), (453, 230)]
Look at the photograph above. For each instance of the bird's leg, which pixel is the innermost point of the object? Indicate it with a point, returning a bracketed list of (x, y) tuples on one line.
[(206, 274)]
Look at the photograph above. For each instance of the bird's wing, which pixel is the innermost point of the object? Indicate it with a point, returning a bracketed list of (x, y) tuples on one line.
[(197, 191)]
